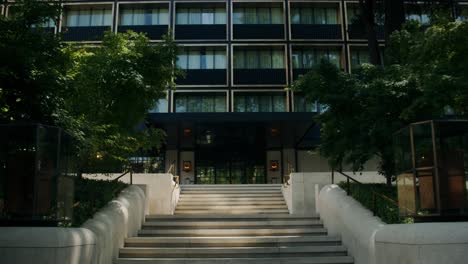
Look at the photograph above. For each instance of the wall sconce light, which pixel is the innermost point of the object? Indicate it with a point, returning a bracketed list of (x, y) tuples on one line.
[(274, 132), (187, 166), (187, 132), (274, 165)]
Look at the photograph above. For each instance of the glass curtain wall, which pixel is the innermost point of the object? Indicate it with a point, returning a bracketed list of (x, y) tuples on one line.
[(201, 15), (312, 14), (417, 13), (307, 58), (200, 103), (195, 58), (302, 104), (259, 58), (261, 14), (358, 57), (89, 17), (265, 102), (131, 15)]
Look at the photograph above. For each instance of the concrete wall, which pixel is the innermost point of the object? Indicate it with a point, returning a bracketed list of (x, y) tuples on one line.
[(96, 242), (369, 240), (163, 192)]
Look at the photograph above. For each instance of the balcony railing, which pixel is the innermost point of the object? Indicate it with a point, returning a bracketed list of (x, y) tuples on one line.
[(93, 33), (260, 76), (153, 32), (298, 72), (256, 31), (357, 31), (203, 77), (307, 31), (200, 32)]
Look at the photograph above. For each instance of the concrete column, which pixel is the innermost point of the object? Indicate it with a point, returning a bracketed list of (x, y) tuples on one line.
[(187, 177), (273, 176)]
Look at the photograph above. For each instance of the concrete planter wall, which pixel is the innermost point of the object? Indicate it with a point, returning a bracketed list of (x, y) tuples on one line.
[(371, 241), (96, 242)]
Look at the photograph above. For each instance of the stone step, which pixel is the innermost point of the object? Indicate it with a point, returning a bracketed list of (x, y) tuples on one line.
[(230, 207), (232, 212), (232, 223), (216, 232), (234, 202), (216, 217), (232, 195), (217, 191), (231, 199), (229, 186), (231, 241), (250, 260), (229, 252)]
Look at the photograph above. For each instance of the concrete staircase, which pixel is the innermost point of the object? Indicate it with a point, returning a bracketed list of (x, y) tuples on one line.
[(233, 224)]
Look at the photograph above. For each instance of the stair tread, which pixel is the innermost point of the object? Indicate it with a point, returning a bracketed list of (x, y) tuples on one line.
[(276, 260), (259, 239)]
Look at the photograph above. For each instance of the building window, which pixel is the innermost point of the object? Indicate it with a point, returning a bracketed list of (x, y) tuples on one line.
[(89, 17), (258, 14), (251, 102), (302, 104), (310, 14), (202, 59), (417, 13), (201, 16), (160, 106), (309, 57), (48, 23), (354, 12), (200, 103), (139, 15), (462, 12), (259, 58), (358, 57)]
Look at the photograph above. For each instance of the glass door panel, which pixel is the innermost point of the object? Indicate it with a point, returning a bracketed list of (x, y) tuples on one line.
[(206, 175)]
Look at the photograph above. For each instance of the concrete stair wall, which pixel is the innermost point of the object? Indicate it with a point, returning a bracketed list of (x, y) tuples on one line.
[(233, 224)]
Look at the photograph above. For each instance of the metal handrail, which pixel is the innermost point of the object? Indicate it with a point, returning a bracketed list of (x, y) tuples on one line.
[(171, 169), (125, 173), (374, 193)]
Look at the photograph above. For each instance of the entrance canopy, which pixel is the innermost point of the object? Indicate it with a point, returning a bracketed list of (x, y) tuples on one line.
[(272, 130)]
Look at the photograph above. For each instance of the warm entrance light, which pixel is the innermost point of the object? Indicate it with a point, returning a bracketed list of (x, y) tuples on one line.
[(187, 166), (274, 165), (274, 132), (187, 132)]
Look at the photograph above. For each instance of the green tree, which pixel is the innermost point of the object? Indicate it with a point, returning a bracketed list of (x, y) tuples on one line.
[(32, 65), (367, 107), (112, 87)]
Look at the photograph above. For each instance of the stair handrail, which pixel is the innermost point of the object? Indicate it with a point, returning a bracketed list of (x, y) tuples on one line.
[(125, 173), (375, 194)]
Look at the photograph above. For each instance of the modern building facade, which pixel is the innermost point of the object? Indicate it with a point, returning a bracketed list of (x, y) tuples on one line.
[(233, 119)]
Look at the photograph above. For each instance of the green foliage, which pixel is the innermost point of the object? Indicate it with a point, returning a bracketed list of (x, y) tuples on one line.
[(32, 65), (92, 195), (384, 209), (111, 90), (425, 75)]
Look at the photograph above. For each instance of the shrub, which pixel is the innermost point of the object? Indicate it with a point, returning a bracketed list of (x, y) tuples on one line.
[(384, 209), (92, 195)]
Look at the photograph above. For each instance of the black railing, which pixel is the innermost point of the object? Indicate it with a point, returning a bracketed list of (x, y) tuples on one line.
[(258, 31), (129, 171), (375, 195), (94, 33), (203, 77), (153, 32), (307, 31), (357, 31), (201, 32), (259, 76)]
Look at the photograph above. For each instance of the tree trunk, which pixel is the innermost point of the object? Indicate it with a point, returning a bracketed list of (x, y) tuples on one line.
[(394, 17), (367, 8)]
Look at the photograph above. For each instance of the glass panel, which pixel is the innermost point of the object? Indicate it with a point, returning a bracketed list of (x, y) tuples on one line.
[(208, 60), (308, 59), (181, 104), (250, 15), (277, 15), (239, 104), (97, 17), (307, 15), (251, 59), (195, 16), (220, 104), (220, 15), (194, 59), (182, 60), (297, 60), (163, 17), (220, 59), (265, 104), (332, 16), (334, 57), (84, 18), (208, 16), (208, 104), (279, 103), (239, 16), (72, 18), (139, 17), (265, 59), (193, 104), (319, 16), (295, 15), (239, 59), (278, 59), (182, 17), (263, 14), (126, 17), (251, 104)]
